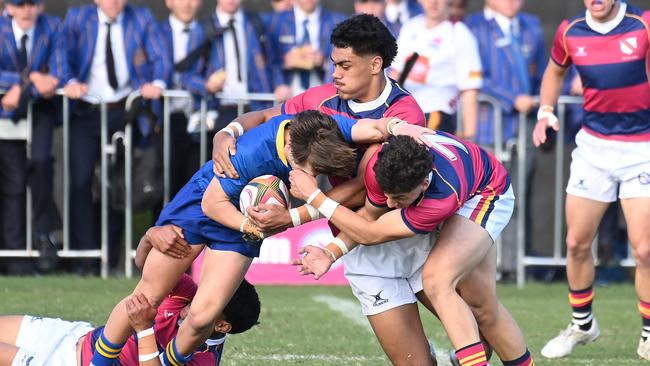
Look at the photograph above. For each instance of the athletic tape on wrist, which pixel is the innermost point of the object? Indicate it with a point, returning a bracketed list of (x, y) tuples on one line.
[(331, 253), (327, 207), (313, 195), (243, 225), (149, 357), (238, 127), (229, 131), (295, 217), (145, 333), (341, 244), (313, 212)]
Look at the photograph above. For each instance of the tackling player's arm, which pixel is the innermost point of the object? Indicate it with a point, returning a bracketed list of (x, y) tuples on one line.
[(224, 141), (167, 239), (141, 316), (389, 226), (317, 261), (351, 193)]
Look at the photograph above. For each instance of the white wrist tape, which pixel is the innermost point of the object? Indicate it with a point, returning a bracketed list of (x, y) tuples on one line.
[(149, 357), (327, 208), (145, 333), (330, 253), (229, 131), (238, 127), (313, 212), (339, 243), (313, 195), (295, 217), (243, 224), (546, 113)]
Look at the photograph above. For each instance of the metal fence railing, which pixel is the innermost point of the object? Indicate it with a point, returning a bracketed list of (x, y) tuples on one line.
[(502, 150)]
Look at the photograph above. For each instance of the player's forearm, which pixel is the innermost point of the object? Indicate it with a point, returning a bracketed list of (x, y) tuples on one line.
[(148, 351), (253, 119), (552, 84), (469, 100), (368, 130), (348, 191)]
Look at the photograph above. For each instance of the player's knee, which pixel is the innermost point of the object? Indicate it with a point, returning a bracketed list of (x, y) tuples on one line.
[(436, 287), (200, 321), (642, 254), (576, 247)]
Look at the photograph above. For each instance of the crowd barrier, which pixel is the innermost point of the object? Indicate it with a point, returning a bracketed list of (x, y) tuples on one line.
[(502, 150)]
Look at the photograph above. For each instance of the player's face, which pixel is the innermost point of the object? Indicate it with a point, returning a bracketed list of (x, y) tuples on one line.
[(281, 5), (308, 6), (404, 200), (112, 8), (601, 10), (25, 15), (228, 6), (435, 9), (372, 7), (353, 73), (507, 8), (184, 10)]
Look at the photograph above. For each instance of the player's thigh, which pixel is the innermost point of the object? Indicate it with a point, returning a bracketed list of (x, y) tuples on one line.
[(161, 273), (637, 216), (461, 246), (7, 354), (583, 216), (400, 334), (221, 273), (10, 326)]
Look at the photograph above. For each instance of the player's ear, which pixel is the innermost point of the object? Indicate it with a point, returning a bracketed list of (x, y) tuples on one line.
[(222, 326), (377, 65)]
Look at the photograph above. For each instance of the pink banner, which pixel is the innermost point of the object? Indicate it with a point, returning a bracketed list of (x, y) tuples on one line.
[(273, 265)]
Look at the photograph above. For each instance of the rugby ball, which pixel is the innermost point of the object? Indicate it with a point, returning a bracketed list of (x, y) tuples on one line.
[(267, 189)]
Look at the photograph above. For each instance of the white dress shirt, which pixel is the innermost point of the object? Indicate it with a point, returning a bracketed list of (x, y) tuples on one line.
[(314, 39), (18, 35), (232, 84), (180, 39), (401, 10), (98, 84)]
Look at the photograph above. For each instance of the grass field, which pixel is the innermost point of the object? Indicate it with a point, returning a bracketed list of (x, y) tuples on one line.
[(323, 325)]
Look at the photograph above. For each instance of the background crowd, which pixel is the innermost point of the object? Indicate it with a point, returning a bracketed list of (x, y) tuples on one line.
[(107, 49)]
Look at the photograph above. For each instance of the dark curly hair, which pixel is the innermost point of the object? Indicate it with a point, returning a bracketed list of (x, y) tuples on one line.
[(402, 164), (243, 309), (317, 139), (366, 35)]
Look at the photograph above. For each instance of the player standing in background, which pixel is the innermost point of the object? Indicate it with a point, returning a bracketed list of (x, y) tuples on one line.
[(447, 68), (609, 44), (411, 190)]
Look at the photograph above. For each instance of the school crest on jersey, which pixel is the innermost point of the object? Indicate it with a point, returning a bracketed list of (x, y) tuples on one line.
[(628, 45)]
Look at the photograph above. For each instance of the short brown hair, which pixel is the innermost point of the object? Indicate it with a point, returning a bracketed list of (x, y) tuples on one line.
[(316, 139)]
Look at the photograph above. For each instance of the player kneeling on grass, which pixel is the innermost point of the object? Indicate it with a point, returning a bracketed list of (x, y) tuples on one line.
[(410, 191), (206, 212), (35, 341)]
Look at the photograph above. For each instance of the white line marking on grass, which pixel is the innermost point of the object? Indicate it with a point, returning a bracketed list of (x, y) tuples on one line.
[(316, 357), (351, 310)]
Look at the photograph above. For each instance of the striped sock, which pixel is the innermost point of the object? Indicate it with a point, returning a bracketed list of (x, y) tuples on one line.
[(580, 301), (524, 360), (171, 356), (472, 355), (644, 309), (105, 351)]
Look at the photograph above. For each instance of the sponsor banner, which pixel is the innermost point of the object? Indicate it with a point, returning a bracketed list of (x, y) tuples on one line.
[(273, 267)]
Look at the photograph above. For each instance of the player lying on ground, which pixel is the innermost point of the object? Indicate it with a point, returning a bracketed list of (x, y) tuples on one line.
[(37, 341), (206, 211), (411, 190)]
